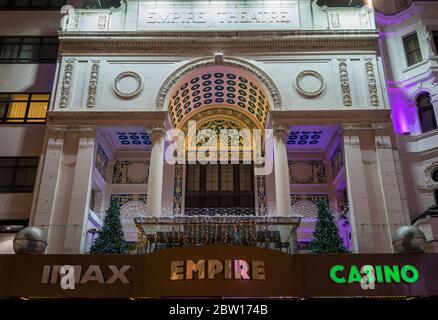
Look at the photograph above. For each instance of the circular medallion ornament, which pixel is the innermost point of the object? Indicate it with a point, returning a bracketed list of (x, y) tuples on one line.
[(128, 84), (310, 84)]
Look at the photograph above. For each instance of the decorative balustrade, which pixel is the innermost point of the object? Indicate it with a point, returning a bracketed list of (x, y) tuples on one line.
[(274, 232)]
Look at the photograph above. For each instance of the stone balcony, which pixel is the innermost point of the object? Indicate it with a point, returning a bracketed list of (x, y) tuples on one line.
[(164, 232)]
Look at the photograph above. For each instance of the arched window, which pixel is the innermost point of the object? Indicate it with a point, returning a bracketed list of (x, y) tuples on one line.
[(426, 114)]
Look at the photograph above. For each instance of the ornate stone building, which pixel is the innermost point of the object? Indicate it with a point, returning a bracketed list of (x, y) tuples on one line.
[(316, 78)]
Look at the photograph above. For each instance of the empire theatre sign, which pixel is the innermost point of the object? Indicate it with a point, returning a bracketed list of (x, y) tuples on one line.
[(226, 15), (218, 271)]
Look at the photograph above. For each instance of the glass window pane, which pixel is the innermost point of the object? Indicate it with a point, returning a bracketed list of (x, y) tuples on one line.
[(50, 40), (412, 49), (38, 3), (427, 119), (25, 176), (21, 3), (29, 52), (227, 177), (28, 162), (56, 3), (19, 97), (9, 51), (40, 97), (8, 162), (212, 177), (16, 112), (245, 178), (12, 40), (48, 52), (3, 106), (37, 111), (31, 40), (7, 175), (193, 181)]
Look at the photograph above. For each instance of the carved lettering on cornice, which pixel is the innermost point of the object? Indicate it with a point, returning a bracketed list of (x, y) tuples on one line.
[(227, 61), (345, 83), (102, 22), (334, 20), (66, 83), (92, 84), (372, 82)]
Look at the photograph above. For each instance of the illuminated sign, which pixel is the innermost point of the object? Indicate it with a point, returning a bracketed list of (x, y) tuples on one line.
[(374, 274), (234, 15), (219, 271), (231, 269), (77, 274)]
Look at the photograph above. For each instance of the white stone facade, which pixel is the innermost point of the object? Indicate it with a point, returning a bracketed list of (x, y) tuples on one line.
[(320, 70)]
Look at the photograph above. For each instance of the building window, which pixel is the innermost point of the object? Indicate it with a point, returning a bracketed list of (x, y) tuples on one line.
[(435, 175), (426, 113), (28, 50), (31, 4), (412, 49), (17, 174), (23, 107)]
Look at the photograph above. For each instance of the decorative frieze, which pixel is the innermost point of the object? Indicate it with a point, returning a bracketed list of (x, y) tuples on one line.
[(66, 83), (372, 82), (178, 189), (345, 83), (307, 172), (305, 205), (120, 199), (131, 172), (92, 84), (261, 194), (101, 162), (337, 161)]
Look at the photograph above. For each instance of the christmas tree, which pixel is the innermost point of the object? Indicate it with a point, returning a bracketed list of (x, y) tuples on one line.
[(111, 239), (326, 238)]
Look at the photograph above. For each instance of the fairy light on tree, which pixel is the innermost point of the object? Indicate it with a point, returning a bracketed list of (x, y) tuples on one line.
[(111, 239), (326, 237)]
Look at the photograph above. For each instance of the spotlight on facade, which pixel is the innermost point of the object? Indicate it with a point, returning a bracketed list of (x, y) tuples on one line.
[(408, 239), (30, 240)]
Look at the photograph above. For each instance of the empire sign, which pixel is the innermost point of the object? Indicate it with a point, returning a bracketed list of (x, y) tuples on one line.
[(182, 16)]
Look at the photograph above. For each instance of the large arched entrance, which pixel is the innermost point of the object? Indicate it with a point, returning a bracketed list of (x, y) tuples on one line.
[(229, 97)]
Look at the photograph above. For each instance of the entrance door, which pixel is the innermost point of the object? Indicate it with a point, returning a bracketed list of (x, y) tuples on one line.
[(220, 186)]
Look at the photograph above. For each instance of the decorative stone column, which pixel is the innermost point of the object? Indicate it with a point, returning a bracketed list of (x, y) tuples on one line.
[(281, 167), (77, 222), (155, 180), (375, 192), (63, 197), (45, 199)]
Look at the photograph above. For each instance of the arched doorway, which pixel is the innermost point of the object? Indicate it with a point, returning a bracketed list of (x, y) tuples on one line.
[(218, 97)]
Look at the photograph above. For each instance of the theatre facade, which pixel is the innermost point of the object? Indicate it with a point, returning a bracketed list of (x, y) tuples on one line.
[(308, 78), (219, 123)]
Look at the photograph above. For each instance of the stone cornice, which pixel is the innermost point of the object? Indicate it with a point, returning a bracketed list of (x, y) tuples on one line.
[(336, 117), (146, 118), (293, 39)]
